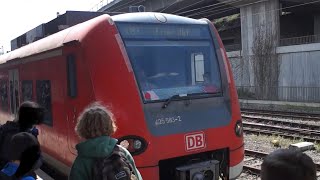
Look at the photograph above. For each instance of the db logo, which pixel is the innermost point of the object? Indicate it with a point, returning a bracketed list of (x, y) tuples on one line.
[(195, 141)]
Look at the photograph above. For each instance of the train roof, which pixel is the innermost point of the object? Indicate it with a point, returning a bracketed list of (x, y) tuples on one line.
[(79, 31), (152, 17)]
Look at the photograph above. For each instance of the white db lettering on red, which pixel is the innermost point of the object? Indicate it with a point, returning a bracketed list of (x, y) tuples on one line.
[(195, 141)]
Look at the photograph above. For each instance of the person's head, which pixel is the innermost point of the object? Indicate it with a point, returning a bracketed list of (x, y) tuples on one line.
[(25, 150), (95, 120), (29, 114), (288, 164)]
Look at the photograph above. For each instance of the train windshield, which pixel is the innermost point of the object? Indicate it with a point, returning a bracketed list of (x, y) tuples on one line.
[(171, 60)]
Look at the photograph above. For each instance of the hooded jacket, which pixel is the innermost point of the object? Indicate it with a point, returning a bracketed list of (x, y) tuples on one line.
[(89, 151), (25, 148), (6, 132), (9, 129)]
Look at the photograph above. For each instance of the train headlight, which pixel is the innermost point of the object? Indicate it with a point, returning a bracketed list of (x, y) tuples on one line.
[(198, 176), (239, 128), (135, 144), (208, 175)]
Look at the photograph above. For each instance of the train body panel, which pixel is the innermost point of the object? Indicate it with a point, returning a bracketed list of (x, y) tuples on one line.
[(168, 126)]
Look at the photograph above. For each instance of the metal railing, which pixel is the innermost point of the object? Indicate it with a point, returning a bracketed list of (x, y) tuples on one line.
[(291, 94), (300, 40), (101, 4), (233, 47)]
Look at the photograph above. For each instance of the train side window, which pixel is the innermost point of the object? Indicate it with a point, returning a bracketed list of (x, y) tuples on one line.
[(4, 95), (27, 90), (72, 76), (197, 67), (44, 99)]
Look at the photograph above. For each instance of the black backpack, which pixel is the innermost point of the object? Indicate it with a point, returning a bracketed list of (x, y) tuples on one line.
[(114, 167), (6, 132)]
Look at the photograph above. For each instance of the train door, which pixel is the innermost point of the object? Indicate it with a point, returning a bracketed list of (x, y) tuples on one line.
[(14, 90), (71, 101), (72, 119)]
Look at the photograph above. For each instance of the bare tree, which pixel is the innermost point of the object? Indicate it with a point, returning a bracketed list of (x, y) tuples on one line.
[(265, 65)]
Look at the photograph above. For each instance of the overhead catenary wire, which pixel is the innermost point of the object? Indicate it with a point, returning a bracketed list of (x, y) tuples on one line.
[(225, 9), (180, 13), (212, 5), (126, 5), (230, 1), (259, 13), (169, 6), (218, 8), (187, 6), (133, 4)]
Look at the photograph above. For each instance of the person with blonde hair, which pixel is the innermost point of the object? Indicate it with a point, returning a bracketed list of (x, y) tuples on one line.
[(95, 126)]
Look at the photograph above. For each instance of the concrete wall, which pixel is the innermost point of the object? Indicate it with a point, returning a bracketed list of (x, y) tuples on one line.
[(259, 19), (241, 68), (299, 66), (299, 75)]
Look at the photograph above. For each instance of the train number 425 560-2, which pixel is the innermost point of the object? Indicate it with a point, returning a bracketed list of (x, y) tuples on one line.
[(167, 120)]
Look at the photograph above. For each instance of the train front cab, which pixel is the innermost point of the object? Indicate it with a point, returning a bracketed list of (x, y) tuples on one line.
[(188, 98), (167, 79)]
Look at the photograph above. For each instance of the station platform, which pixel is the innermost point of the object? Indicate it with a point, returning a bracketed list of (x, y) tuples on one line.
[(280, 106)]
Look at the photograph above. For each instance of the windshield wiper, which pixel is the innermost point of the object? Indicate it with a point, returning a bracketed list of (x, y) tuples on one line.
[(188, 96), (168, 101)]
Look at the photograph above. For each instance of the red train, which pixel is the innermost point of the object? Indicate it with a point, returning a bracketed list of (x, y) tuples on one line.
[(166, 78)]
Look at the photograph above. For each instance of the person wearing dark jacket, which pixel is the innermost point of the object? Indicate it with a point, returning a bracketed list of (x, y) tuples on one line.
[(24, 158), (29, 115), (288, 164)]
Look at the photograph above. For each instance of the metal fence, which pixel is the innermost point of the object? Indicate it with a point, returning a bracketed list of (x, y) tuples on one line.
[(99, 5), (283, 42), (300, 40), (233, 47), (292, 94)]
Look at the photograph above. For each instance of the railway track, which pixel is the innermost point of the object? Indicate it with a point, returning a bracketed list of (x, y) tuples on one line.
[(293, 124), (282, 130), (255, 168), (280, 114), (286, 124), (251, 155), (283, 134), (266, 123)]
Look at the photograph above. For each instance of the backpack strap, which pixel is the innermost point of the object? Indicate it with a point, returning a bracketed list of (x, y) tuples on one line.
[(119, 151)]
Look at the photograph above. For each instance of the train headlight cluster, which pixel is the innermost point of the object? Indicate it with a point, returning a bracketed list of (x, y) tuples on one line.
[(239, 128), (134, 144)]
